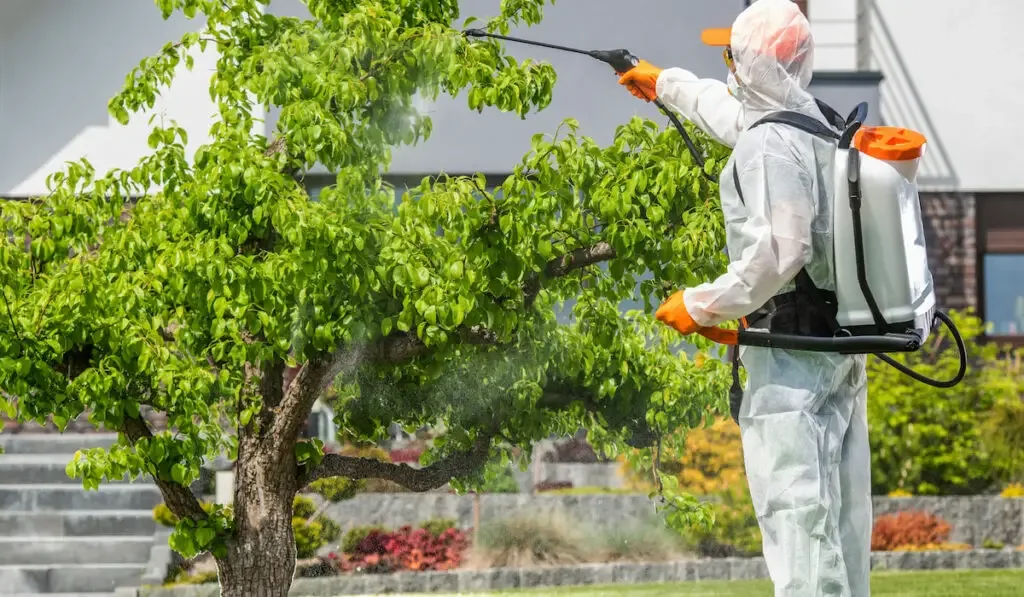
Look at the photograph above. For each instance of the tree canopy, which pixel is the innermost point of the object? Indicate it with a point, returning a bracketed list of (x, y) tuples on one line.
[(188, 285)]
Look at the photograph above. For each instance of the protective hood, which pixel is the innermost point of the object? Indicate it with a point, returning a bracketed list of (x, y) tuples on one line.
[(773, 51)]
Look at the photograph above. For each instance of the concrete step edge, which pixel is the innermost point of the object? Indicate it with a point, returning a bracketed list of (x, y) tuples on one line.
[(105, 487), (75, 513), (20, 458), (71, 566), (80, 539)]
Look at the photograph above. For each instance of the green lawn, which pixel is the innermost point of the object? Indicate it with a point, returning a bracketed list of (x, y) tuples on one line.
[(990, 583)]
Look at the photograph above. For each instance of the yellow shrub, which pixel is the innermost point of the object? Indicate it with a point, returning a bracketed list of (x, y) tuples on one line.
[(1013, 490), (711, 461), (900, 493)]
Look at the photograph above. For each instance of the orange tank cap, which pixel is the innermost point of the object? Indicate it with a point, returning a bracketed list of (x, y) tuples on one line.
[(889, 143)]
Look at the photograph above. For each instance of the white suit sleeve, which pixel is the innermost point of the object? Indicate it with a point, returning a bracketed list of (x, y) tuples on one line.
[(775, 241), (705, 102)]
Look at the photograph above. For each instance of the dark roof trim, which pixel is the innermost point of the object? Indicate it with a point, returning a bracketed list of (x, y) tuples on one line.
[(846, 76)]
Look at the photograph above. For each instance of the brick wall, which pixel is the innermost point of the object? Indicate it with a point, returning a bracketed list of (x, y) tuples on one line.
[(952, 255)]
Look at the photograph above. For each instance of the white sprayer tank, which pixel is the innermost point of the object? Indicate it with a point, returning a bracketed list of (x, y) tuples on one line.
[(895, 257)]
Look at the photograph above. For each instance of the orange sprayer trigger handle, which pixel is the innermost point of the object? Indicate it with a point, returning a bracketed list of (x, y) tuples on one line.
[(720, 335)]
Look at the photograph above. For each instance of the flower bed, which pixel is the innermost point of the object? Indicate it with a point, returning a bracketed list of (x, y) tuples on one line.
[(407, 549), (539, 538)]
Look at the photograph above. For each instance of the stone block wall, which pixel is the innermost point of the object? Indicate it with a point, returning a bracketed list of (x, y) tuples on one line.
[(974, 519)]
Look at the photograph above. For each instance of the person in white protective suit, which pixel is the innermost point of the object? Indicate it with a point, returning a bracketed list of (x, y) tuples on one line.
[(803, 415)]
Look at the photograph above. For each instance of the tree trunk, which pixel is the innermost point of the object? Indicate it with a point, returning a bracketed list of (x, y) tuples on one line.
[(260, 560)]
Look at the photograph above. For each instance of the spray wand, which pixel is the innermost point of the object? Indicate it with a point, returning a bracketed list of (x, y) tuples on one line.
[(621, 61)]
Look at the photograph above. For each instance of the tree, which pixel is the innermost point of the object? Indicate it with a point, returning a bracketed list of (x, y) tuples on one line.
[(189, 286)]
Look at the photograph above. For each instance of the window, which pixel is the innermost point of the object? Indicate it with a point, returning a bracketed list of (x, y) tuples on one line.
[(1000, 220)]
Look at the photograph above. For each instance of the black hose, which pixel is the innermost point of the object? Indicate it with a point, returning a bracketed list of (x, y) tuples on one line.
[(961, 348)]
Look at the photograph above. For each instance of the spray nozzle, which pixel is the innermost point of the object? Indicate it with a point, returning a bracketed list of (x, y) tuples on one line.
[(620, 60)]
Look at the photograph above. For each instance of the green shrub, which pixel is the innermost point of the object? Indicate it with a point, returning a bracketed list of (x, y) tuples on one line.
[(303, 507), (1003, 429), (498, 478), (331, 529), (184, 577), (436, 526), (355, 536), (309, 537), (932, 441)]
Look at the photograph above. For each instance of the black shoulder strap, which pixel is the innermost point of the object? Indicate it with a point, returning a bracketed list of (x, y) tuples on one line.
[(804, 284), (800, 121), (831, 115)]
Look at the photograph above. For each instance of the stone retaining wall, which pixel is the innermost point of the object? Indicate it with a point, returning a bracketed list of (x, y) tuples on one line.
[(597, 574), (974, 519)]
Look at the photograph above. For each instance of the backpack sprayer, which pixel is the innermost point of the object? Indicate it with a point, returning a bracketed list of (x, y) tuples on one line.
[(876, 169)]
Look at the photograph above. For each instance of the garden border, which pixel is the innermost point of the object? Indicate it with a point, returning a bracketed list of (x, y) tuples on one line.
[(598, 574)]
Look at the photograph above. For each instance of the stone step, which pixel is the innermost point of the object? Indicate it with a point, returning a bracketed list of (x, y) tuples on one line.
[(104, 594), (63, 497), (89, 578), (75, 550), (80, 523), (32, 469), (54, 443)]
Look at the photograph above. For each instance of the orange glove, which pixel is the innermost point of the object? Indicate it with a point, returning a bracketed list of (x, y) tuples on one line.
[(673, 312), (642, 80)]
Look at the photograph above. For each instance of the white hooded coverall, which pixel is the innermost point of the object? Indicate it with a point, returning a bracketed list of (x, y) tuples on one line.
[(803, 416)]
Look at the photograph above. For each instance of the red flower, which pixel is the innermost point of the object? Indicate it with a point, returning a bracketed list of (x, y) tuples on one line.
[(404, 549)]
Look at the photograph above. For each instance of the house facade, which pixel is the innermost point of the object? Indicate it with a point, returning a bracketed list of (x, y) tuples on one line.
[(942, 67)]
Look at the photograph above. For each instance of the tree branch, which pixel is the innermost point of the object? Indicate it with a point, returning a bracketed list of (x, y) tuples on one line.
[(566, 264), (423, 479), (179, 499), (401, 347), (312, 380)]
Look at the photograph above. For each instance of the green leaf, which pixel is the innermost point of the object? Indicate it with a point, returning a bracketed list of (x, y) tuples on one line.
[(178, 474), (544, 248), (157, 451), (204, 536)]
